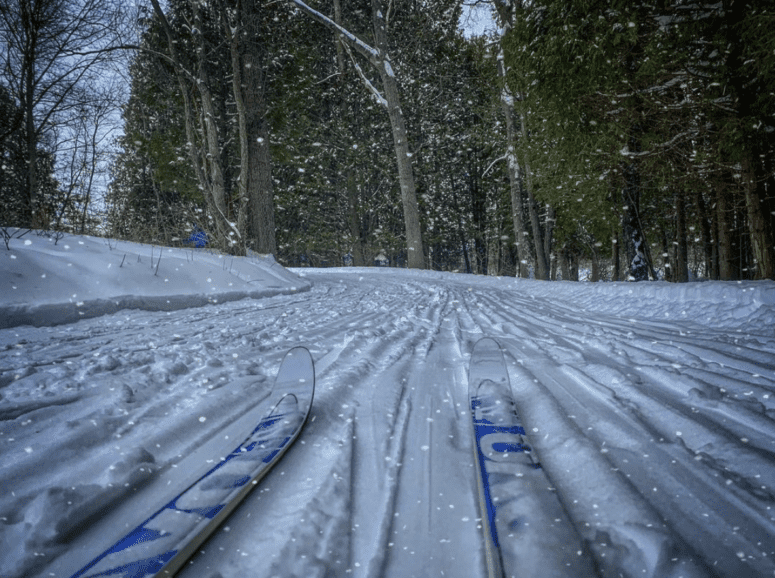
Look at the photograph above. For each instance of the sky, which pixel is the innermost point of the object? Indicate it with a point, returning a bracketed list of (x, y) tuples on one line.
[(477, 19)]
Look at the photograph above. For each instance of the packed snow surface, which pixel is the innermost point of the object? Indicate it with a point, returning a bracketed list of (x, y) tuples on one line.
[(650, 406)]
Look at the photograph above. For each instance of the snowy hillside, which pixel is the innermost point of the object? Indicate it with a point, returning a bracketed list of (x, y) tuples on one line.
[(651, 408), (47, 281)]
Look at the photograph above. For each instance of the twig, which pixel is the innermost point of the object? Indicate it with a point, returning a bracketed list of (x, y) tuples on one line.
[(6, 237)]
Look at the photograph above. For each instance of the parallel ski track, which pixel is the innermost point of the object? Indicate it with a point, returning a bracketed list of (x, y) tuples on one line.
[(388, 410), (641, 386)]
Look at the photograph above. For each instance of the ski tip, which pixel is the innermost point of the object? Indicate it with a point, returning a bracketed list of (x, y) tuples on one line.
[(487, 342), (485, 345), (300, 359), (487, 363), (296, 375), (299, 352)]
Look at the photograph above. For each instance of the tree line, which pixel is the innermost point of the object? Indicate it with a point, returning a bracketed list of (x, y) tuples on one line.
[(648, 128), (56, 98), (631, 138)]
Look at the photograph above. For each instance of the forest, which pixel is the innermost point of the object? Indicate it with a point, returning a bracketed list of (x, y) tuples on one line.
[(594, 139)]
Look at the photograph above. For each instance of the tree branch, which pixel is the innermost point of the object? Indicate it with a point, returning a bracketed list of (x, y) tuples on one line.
[(662, 146), (371, 88), (361, 47)]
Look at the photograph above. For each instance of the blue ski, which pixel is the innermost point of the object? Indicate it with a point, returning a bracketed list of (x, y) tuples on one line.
[(169, 537), (498, 440), (521, 512)]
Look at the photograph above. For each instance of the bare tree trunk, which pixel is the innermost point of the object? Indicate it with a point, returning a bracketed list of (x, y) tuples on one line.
[(256, 187), (338, 41), (353, 206), (542, 261), (667, 257), (415, 256), (595, 274), (414, 244), (549, 221), (707, 237), (539, 242), (260, 185), (359, 255), (30, 25), (460, 227), (212, 138), (724, 211), (32, 156), (232, 33), (515, 173), (261, 189), (681, 271), (90, 178), (616, 238), (760, 211), (762, 230), (520, 183), (569, 265)]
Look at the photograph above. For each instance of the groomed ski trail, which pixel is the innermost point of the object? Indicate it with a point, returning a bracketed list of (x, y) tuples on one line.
[(673, 418)]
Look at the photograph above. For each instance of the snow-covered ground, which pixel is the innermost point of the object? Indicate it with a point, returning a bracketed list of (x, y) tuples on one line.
[(651, 408)]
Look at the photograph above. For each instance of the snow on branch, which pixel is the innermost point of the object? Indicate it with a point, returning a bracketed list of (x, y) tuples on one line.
[(350, 38), (503, 158), (678, 79), (666, 145), (371, 88)]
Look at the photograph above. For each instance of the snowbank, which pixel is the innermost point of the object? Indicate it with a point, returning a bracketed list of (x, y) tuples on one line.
[(47, 281)]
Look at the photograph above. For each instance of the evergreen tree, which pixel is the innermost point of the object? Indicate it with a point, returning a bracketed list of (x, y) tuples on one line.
[(631, 108), (207, 113), (154, 195)]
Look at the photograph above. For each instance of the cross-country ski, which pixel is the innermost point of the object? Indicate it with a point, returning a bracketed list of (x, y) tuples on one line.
[(520, 510), (169, 537)]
